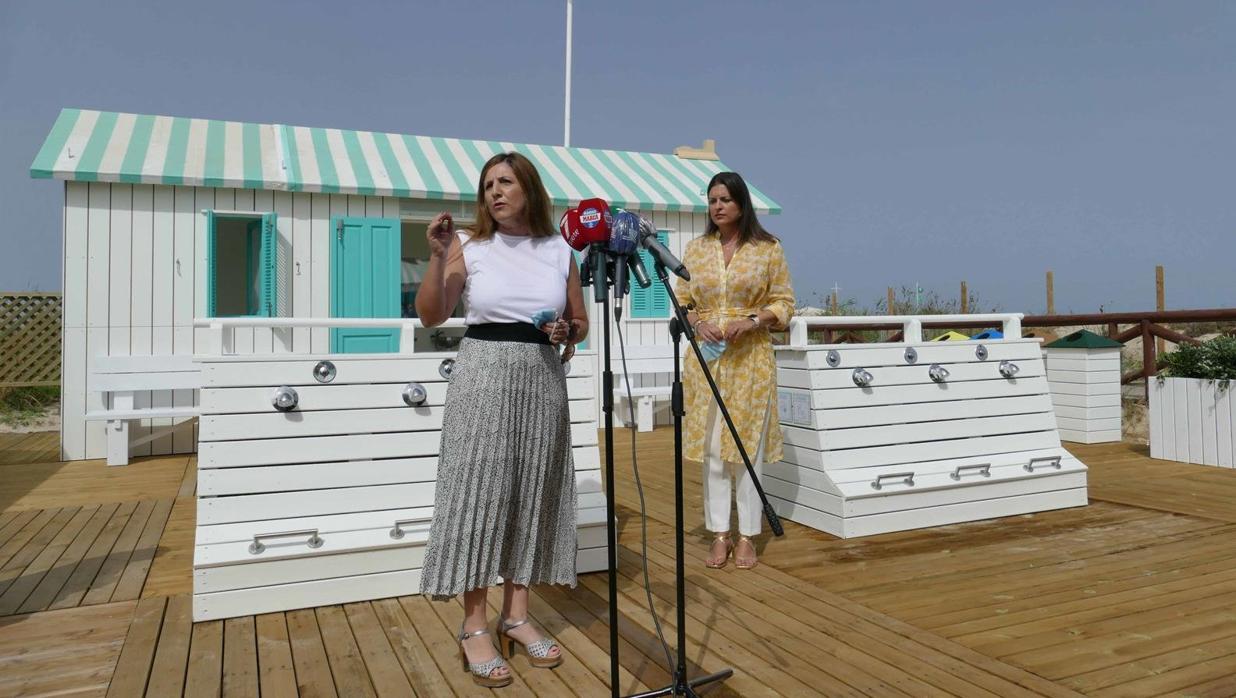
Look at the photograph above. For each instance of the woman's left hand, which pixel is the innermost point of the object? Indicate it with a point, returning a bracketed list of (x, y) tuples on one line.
[(557, 330), (736, 328)]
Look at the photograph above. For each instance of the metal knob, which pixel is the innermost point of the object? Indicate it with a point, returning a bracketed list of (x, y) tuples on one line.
[(324, 372), (833, 358), (981, 352), (862, 377), (285, 399), (414, 395), (446, 368), (938, 373), (911, 355), (1008, 369)]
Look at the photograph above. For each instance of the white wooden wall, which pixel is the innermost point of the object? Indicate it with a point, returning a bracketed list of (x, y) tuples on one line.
[(134, 279)]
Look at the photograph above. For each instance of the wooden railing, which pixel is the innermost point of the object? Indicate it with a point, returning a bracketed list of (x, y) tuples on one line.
[(30, 339), (1147, 326)]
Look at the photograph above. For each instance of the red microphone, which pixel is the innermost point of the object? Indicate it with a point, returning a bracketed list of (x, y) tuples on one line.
[(586, 224)]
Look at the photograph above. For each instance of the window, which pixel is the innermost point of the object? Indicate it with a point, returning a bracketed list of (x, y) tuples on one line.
[(242, 261), (651, 302)]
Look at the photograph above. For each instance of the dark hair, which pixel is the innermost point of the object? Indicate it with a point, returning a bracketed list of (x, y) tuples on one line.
[(749, 228), (536, 199)]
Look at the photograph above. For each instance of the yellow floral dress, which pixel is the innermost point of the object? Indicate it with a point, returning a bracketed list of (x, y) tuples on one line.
[(746, 373)]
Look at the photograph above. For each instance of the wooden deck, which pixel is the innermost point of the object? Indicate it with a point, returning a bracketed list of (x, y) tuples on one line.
[(1133, 595)]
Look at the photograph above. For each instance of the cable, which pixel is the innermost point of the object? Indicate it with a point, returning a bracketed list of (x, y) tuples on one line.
[(643, 508)]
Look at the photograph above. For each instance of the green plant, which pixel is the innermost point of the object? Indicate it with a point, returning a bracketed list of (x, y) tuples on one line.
[(19, 406), (1213, 360)]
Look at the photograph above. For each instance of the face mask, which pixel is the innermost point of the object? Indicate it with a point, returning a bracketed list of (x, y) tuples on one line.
[(712, 350), (544, 316)]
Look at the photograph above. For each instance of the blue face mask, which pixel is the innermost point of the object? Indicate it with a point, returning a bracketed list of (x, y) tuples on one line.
[(712, 350), (544, 316)]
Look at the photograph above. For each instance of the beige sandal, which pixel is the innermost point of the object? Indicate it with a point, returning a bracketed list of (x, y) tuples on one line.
[(745, 563), (713, 563)]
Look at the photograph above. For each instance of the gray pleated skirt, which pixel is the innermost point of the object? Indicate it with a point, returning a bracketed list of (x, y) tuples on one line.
[(504, 505)]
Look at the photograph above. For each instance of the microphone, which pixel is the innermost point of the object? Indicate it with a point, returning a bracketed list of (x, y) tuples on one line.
[(641, 274), (648, 240), (623, 239), (588, 225), (581, 227)]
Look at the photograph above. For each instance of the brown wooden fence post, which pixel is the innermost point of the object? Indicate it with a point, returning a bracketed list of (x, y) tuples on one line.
[(965, 300), (1160, 304), (892, 302), (1051, 294), (1148, 357)]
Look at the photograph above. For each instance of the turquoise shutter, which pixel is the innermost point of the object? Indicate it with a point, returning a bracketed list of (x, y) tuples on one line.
[(651, 302), (268, 265), (211, 268)]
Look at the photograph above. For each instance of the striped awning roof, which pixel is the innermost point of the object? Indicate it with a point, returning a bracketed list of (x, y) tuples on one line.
[(87, 145)]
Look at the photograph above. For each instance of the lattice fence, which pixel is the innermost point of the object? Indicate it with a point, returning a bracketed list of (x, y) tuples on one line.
[(29, 339)]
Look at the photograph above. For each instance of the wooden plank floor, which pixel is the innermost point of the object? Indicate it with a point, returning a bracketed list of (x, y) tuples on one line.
[(1129, 596)]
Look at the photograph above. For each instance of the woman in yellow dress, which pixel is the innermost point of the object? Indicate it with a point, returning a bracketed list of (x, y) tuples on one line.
[(740, 289)]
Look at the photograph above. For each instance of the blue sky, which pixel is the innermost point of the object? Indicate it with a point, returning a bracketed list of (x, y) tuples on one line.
[(907, 142)]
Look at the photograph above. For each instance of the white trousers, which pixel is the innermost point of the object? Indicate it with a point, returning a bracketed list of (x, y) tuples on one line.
[(717, 480)]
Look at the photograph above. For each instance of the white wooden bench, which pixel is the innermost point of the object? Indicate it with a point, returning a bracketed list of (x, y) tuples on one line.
[(644, 363), (121, 378)]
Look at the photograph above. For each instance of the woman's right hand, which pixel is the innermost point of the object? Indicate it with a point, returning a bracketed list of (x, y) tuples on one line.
[(708, 331), (439, 234)]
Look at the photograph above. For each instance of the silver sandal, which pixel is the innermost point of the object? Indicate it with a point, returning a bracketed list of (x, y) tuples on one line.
[(482, 674), (538, 651)]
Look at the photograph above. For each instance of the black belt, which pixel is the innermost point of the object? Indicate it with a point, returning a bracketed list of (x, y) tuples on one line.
[(507, 332)]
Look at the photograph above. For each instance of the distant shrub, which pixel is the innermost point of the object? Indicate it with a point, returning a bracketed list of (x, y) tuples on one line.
[(1214, 360)]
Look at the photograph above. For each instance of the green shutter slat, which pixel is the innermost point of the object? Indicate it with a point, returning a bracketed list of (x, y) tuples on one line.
[(270, 290), (651, 302), (211, 266)]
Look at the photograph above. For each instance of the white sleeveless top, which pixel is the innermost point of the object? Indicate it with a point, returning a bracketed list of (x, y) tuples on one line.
[(512, 277)]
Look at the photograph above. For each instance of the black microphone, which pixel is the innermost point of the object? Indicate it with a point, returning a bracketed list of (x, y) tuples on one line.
[(648, 240)]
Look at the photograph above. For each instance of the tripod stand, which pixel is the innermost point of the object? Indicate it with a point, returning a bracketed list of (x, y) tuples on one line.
[(596, 270)]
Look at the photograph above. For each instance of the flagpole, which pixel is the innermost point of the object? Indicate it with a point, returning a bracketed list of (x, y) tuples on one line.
[(566, 118)]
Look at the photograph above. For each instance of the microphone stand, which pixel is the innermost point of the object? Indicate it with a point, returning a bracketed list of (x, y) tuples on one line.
[(680, 684), (596, 271)]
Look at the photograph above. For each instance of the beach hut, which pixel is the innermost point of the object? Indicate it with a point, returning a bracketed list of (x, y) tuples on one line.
[(167, 220), (245, 291)]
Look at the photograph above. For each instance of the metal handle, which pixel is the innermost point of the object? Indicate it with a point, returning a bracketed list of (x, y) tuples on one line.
[(414, 394), (1050, 461), (314, 541), (983, 468), (906, 478), (446, 368), (324, 372), (862, 377), (1008, 369), (397, 531), (285, 399), (938, 373), (981, 352), (833, 358), (911, 355)]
